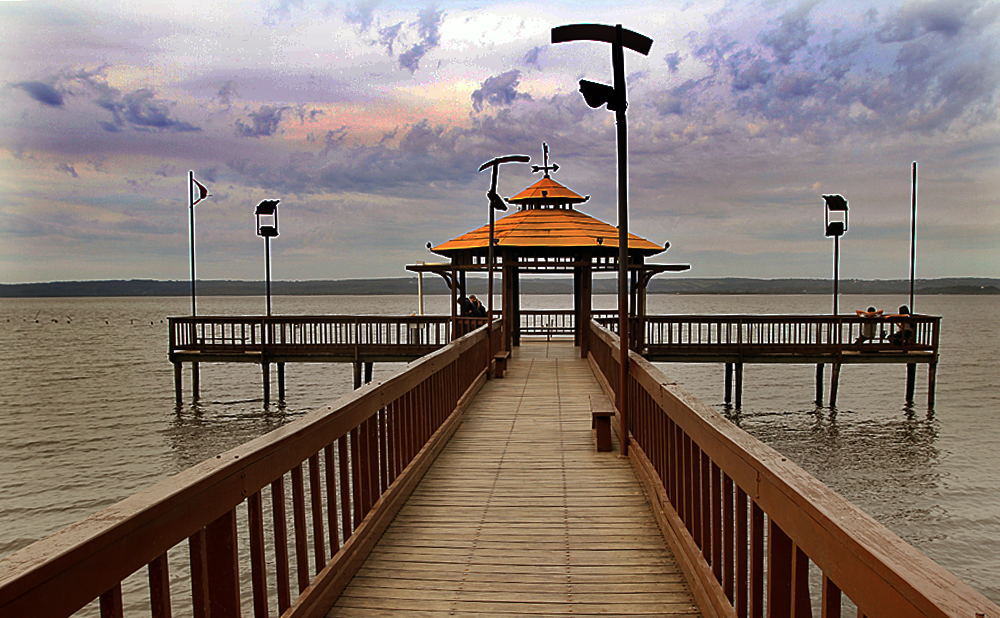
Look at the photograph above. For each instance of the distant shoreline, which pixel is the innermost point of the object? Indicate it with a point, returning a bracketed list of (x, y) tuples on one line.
[(529, 285)]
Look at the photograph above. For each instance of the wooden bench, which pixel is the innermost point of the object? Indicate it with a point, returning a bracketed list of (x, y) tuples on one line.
[(501, 362), (601, 412)]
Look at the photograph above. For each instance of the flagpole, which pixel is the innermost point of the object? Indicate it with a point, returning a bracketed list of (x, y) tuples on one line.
[(194, 311)]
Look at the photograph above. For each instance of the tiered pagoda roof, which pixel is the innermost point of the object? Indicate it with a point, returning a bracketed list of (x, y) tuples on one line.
[(546, 219)]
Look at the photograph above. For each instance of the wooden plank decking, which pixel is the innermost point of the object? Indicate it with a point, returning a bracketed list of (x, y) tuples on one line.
[(521, 516)]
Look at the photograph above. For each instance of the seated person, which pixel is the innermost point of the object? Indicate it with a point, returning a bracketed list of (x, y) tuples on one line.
[(867, 327), (905, 332)]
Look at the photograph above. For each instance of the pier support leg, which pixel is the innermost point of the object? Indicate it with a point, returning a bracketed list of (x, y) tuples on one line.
[(357, 375), (739, 385), (368, 372), (265, 369), (729, 383), (195, 382), (819, 384), (911, 379), (931, 382), (178, 382), (281, 381), (834, 383)]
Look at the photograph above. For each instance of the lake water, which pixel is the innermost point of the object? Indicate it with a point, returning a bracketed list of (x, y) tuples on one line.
[(88, 413)]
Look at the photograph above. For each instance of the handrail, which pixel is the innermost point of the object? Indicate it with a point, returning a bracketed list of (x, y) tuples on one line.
[(762, 333), (746, 524), (260, 333), (362, 456)]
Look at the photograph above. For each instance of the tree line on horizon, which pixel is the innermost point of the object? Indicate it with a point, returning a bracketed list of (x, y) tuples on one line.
[(530, 285)]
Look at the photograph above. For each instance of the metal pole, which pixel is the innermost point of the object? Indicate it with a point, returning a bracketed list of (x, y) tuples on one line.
[(194, 311), (267, 273), (489, 291), (913, 235), (618, 66), (836, 271)]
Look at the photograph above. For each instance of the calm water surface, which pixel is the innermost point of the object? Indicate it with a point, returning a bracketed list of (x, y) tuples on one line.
[(89, 415)]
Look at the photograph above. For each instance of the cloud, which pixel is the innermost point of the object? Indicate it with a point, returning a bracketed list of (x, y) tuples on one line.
[(793, 33), (945, 17), (387, 36), (499, 90), (361, 14), (226, 93), (263, 123), (531, 58), (42, 92), (67, 169), (673, 61), (428, 25)]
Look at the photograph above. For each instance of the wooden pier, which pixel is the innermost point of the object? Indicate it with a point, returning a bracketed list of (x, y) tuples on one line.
[(519, 515), (437, 491), (733, 340)]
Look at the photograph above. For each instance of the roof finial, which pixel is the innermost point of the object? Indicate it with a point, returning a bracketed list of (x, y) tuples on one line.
[(545, 168)]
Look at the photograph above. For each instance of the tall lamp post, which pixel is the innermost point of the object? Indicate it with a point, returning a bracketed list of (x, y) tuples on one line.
[(267, 208), (615, 98), (836, 225), (495, 203)]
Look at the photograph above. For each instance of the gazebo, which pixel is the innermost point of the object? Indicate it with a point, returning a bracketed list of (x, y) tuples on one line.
[(547, 234)]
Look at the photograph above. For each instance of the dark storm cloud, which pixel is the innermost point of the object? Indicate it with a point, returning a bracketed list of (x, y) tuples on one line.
[(263, 123), (42, 92), (499, 90)]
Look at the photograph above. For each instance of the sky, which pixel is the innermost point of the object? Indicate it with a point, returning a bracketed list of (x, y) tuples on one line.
[(369, 121)]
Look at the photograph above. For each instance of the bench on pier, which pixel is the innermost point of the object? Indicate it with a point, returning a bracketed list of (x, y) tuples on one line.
[(501, 362), (601, 412)]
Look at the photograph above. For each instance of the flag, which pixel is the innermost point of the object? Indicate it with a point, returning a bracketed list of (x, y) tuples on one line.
[(202, 191)]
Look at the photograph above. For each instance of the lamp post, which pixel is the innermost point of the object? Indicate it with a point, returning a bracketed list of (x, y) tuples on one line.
[(597, 95), (836, 225), (267, 208), (495, 203)]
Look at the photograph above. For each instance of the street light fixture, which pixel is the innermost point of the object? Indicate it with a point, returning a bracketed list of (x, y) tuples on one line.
[(269, 209), (495, 203), (836, 226), (614, 97)]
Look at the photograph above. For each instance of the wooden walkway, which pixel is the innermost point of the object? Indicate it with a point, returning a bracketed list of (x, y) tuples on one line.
[(521, 516)]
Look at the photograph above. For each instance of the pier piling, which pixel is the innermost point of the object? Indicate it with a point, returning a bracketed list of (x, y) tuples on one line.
[(178, 382), (834, 383), (911, 380), (281, 381), (195, 382), (819, 384), (739, 385), (265, 368), (729, 383)]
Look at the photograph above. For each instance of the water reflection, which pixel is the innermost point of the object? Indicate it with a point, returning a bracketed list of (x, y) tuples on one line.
[(202, 429), (886, 463)]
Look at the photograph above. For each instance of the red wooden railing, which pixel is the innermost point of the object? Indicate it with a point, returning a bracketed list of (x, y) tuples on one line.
[(749, 527), (349, 468)]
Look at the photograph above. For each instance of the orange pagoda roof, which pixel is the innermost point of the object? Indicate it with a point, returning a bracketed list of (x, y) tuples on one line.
[(547, 228), (548, 191)]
